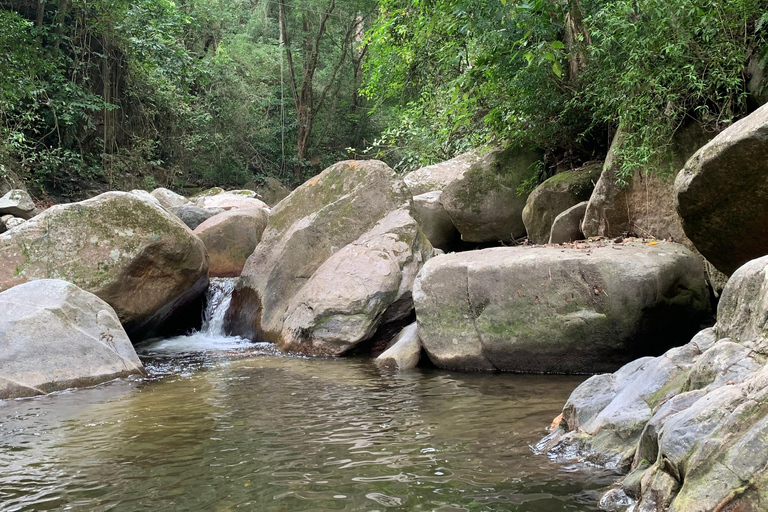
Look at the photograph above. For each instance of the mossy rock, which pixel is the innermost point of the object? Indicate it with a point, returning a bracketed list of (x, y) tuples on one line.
[(554, 196), (483, 203), (133, 254)]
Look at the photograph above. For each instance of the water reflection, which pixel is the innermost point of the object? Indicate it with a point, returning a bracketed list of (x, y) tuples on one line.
[(243, 428)]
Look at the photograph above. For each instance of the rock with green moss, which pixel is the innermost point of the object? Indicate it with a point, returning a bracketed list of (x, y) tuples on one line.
[(230, 238), (140, 259), (337, 259), (54, 336), (692, 436), (554, 196), (549, 309), (483, 202)]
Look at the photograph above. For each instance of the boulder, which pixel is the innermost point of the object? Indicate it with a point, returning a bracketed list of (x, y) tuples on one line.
[(646, 206), (364, 284), (18, 203), (688, 426), (722, 194), (337, 260), (434, 220), (230, 238), (230, 200), (567, 226), (54, 336), (403, 352), (193, 216), (11, 222), (550, 309), (146, 197), (168, 198), (440, 175), (554, 196), (140, 259), (271, 190), (483, 202)]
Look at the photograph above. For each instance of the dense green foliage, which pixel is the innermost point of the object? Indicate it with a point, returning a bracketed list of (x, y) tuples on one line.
[(117, 94), (120, 94), (560, 75)]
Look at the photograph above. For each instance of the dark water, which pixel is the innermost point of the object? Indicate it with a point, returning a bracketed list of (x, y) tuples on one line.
[(244, 429)]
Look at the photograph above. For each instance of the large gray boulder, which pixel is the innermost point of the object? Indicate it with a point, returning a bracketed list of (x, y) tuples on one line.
[(483, 202), (193, 216), (689, 426), (338, 259), (722, 194), (54, 336), (434, 220), (439, 176), (168, 198), (140, 259), (18, 203), (230, 238), (557, 194), (550, 309)]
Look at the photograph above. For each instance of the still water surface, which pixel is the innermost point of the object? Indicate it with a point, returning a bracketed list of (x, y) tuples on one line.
[(224, 425)]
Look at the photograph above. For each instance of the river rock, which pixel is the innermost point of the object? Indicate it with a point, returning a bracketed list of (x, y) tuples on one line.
[(230, 238), (54, 336), (439, 176), (137, 257), (689, 426), (337, 260), (403, 352), (146, 196), (567, 226), (483, 203), (168, 198), (434, 220), (271, 190), (550, 309), (231, 199), (722, 194), (554, 196), (646, 206), (18, 203), (193, 216)]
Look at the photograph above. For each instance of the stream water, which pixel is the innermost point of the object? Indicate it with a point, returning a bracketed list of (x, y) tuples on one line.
[(223, 424)]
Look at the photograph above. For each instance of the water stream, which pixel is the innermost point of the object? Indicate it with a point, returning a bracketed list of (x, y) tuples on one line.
[(223, 424)]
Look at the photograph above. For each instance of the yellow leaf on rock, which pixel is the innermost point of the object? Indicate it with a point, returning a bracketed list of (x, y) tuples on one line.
[(652, 242)]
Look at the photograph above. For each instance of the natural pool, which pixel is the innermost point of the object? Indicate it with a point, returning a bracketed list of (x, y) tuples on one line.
[(223, 425)]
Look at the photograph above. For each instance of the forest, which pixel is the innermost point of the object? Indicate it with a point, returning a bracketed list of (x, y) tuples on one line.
[(115, 94)]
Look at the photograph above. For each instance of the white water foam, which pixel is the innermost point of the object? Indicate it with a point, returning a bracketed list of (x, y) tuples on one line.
[(211, 337)]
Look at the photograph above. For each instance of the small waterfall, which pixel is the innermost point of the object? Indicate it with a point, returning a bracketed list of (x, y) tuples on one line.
[(217, 300)]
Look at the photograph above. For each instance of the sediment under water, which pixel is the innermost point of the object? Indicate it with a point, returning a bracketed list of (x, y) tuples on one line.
[(222, 424)]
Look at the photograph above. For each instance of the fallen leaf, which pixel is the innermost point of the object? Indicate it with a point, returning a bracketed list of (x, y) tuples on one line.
[(652, 242)]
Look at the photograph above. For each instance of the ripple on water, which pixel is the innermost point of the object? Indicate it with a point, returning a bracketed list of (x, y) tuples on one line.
[(223, 424)]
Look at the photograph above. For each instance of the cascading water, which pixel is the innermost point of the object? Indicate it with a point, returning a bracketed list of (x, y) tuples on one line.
[(217, 300), (211, 336)]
